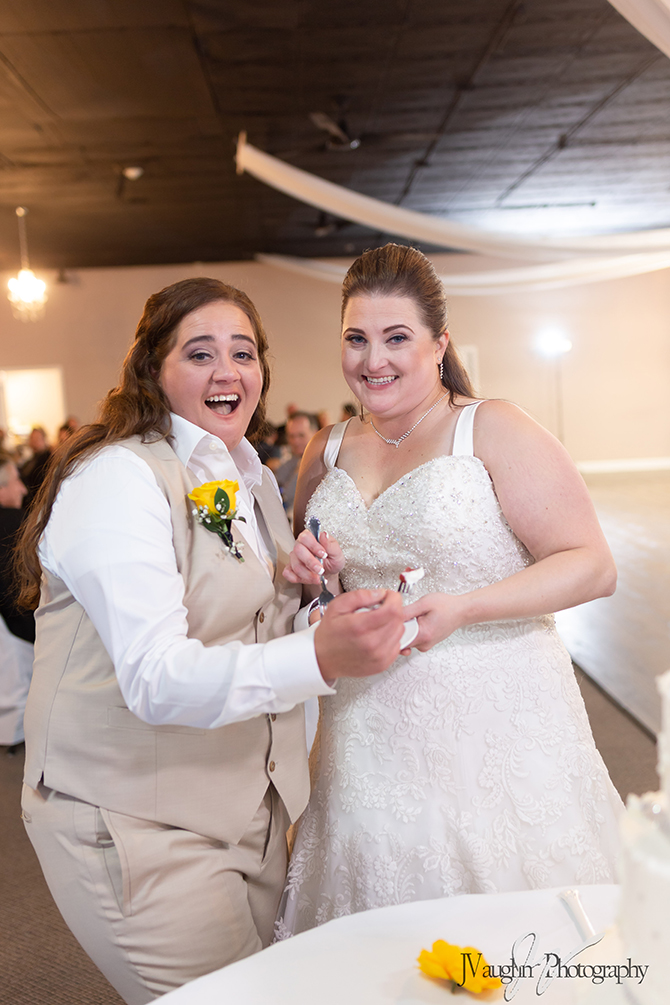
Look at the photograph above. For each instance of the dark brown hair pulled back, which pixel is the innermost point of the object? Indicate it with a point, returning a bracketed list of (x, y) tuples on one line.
[(136, 407), (396, 270)]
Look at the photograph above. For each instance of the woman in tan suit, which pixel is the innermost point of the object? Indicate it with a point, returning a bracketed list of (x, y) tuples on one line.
[(165, 744)]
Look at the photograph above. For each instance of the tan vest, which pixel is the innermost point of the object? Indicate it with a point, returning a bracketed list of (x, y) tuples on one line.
[(81, 738)]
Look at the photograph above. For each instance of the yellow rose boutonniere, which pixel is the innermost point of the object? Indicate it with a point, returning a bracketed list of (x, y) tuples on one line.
[(464, 967), (215, 510)]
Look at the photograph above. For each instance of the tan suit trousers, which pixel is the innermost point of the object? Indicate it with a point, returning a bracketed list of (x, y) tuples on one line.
[(156, 906)]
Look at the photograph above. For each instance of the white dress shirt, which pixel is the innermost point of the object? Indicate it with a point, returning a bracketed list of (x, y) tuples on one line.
[(109, 538)]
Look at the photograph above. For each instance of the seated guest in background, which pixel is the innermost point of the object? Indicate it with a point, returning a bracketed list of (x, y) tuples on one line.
[(33, 470), (165, 739), (300, 429), (12, 493), (17, 628), (268, 451), (291, 409)]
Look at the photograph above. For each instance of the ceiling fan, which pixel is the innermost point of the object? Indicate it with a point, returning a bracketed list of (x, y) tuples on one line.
[(338, 135), (335, 130)]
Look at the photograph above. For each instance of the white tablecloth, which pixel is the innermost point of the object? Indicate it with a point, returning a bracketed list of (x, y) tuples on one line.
[(370, 958)]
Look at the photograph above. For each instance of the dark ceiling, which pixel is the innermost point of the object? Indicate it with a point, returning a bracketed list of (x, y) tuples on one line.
[(525, 116)]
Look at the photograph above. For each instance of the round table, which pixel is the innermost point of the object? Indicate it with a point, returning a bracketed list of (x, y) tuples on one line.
[(370, 958)]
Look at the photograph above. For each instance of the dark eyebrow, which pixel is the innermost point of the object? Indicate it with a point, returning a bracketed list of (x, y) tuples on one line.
[(391, 328), (198, 338), (210, 338)]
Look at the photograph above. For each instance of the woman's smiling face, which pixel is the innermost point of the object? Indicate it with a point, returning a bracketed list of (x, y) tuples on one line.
[(212, 375), (389, 357)]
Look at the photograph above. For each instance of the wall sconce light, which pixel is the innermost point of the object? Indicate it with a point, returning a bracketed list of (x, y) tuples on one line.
[(27, 293), (553, 344)]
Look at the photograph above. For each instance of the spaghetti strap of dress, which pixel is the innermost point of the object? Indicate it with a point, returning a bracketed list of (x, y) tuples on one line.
[(333, 444), (464, 432)]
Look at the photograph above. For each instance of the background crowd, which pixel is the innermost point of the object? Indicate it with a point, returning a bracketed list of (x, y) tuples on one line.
[(283, 446), (23, 465)]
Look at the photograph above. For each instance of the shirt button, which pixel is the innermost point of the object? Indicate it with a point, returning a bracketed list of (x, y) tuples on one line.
[(213, 446), (261, 617), (273, 716), (271, 765)]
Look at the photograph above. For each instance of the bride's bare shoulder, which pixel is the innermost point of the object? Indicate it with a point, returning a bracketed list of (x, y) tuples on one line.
[(495, 415), (507, 438)]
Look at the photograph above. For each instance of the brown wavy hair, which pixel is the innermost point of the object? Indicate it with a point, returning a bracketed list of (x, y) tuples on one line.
[(397, 270), (136, 407)]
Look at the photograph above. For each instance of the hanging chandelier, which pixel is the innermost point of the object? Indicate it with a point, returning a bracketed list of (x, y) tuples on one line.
[(27, 293)]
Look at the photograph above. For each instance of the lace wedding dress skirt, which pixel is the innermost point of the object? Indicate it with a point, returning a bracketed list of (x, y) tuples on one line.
[(470, 768)]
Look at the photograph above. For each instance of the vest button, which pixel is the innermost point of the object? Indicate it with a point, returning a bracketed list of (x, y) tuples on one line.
[(271, 765), (273, 716), (261, 617)]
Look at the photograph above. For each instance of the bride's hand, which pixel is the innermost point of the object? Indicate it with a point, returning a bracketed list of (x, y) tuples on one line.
[(438, 614), (309, 555)]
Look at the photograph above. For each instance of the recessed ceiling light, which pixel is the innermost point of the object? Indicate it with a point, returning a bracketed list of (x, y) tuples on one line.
[(133, 173)]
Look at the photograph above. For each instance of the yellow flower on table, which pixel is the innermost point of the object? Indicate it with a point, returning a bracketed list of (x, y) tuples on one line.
[(203, 495), (464, 966)]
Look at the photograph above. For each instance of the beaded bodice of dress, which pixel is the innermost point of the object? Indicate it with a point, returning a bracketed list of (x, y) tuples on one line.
[(443, 515)]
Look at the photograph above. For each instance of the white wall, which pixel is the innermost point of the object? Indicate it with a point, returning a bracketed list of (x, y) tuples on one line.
[(616, 379)]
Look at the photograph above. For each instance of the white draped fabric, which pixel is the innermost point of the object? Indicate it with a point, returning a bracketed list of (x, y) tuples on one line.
[(551, 276), (382, 216), (650, 17), (601, 257)]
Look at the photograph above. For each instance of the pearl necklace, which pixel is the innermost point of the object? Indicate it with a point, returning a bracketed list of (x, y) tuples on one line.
[(396, 443)]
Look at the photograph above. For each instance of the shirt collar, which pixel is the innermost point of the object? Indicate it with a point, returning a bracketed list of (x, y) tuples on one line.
[(187, 438)]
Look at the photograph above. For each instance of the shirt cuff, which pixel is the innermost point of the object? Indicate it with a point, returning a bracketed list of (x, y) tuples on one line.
[(301, 620), (292, 669)]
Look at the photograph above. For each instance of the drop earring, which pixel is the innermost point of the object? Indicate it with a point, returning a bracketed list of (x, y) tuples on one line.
[(441, 369)]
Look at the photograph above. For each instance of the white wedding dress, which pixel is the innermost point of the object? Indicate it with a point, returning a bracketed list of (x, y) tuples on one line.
[(470, 768)]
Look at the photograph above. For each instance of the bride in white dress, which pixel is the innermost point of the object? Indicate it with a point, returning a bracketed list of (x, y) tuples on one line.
[(469, 766)]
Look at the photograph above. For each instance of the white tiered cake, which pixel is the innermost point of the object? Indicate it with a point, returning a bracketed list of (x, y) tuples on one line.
[(641, 936), (644, 911)]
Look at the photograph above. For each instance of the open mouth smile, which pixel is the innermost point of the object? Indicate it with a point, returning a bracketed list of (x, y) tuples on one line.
[(223, 404), (379, 381)]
